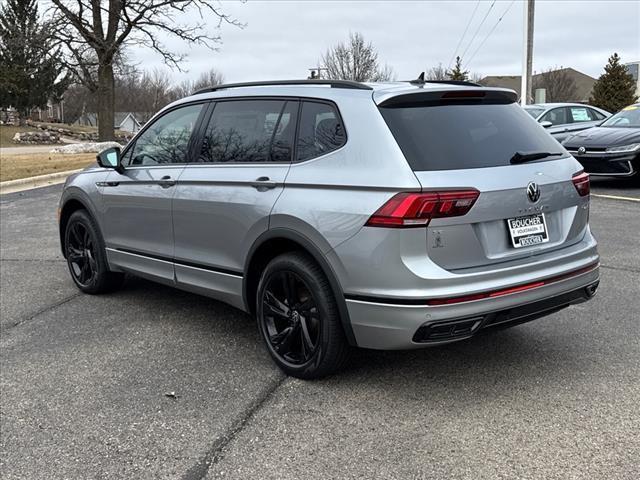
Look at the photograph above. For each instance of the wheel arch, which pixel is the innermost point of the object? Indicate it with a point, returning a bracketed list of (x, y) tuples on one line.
[(69, 205), (276, 241)]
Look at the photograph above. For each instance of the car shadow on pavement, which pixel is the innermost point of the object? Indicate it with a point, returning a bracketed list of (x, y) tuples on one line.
[(505, 357)]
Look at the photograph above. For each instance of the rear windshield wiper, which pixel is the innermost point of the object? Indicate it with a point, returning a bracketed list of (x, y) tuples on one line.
[(523, 157)]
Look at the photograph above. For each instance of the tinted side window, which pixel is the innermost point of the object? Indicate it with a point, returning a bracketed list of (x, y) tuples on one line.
[(167, 139), (250, 131), (595, 115), (557, 116), (321, 130)]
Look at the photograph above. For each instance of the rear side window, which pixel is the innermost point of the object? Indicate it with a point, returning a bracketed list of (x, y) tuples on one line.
[(595, 115), (450, 137), (321, 130), (250, 131)]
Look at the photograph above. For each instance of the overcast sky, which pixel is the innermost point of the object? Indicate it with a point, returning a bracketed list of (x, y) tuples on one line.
[(282, 39)]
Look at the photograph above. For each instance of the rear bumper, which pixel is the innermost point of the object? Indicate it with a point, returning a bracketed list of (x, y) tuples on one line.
[(387, 326)]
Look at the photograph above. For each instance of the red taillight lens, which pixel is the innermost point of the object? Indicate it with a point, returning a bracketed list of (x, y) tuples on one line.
[(417, 209), (581, 182)]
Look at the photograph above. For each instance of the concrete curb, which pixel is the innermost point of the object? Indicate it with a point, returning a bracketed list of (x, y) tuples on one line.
[(21, 184)]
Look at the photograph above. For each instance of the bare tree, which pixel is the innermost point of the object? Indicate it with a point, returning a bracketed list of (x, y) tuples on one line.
[(96, 34), (558, 83), (355, 60), (437, 73)]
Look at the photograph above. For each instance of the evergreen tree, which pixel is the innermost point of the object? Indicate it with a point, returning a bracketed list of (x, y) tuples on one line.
[(28, 65), (457, 73), (615, 89)]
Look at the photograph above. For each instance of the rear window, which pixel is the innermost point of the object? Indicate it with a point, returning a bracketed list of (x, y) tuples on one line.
[(450, 137)]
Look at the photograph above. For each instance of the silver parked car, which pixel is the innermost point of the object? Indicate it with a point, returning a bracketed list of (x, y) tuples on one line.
[(341, 214), (564, 119)]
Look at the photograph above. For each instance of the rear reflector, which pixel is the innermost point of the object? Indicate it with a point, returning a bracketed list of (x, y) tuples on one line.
[(405, 210), (510, 290), (581, 182)]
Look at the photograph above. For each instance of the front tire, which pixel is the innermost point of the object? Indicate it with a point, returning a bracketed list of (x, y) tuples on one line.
[(86, 256), (298, 318)]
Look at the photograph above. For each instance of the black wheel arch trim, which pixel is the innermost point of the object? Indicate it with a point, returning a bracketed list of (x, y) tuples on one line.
[(75, 195), (320, 259)]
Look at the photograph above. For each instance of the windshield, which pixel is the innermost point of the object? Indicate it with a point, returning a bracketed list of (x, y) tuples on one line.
[(628, 117), (450, 137), (534, 112)]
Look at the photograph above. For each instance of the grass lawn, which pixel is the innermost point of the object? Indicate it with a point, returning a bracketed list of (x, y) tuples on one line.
[(16, 166)]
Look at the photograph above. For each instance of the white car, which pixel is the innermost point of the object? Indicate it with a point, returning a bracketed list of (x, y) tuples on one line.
[(564, 119)]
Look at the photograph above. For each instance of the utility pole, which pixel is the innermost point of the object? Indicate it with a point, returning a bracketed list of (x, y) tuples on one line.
[(527, 54)]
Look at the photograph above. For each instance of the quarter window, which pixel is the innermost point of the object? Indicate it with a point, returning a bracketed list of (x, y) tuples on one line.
[(250, 131), (167, 139), (321, 130), (580, 114), (596, 115)]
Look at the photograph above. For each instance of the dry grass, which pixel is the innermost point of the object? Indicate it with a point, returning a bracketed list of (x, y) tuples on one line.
[(8, 131), (21, 165)]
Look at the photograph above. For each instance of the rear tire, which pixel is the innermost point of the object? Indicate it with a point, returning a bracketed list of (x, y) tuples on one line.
[(86, 256), (298, 318)]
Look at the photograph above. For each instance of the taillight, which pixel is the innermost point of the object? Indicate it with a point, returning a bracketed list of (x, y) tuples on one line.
[(581, 182), (417, 209)]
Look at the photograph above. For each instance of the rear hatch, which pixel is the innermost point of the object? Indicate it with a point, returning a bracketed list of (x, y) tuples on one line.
[(466, 140)]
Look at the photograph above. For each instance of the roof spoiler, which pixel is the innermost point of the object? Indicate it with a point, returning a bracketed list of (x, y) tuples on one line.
[(451, 97)]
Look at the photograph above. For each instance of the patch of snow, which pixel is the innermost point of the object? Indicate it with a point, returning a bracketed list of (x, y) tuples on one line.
[(90, 147)]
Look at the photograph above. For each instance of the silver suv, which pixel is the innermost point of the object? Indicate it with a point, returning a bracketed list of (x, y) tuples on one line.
[(341, 214)]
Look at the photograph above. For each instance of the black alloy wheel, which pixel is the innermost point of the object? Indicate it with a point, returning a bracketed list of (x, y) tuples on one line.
[(86, 256), (81, 254), (291, 318), (298, 317)]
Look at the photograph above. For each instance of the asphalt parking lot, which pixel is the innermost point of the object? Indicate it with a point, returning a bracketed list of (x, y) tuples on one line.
[(84, 381)]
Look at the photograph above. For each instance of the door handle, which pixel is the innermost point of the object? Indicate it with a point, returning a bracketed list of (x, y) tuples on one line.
[(263, 183), (166, 182)]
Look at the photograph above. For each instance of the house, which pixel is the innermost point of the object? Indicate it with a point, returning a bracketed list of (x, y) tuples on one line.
[(125, 121), (584, 83)]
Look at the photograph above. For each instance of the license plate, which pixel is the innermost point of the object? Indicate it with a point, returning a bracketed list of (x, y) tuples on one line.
[(528, 231)]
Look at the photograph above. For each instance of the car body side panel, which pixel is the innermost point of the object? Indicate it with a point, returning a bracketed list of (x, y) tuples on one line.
[(218, 213), (329, 198)]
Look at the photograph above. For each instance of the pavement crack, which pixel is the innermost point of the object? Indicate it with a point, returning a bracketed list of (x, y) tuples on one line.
[(46, 309), (200, 470), (622, 269)]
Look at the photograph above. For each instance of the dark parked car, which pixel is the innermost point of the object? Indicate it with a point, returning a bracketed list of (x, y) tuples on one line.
[(611, 149)]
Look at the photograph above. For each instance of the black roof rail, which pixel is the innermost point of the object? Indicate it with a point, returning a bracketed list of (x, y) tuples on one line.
[(421, 81), (331, 83)]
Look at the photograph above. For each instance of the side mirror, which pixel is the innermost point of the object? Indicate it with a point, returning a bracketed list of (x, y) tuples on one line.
[(110, 158), (546, 124)]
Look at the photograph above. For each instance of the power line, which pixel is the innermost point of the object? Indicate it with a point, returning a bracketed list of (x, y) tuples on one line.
[(489, 34), (478, 29), (464, 33)]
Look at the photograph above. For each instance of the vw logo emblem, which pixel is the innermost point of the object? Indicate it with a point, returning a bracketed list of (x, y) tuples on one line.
[(533, 192), (582, 151)]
